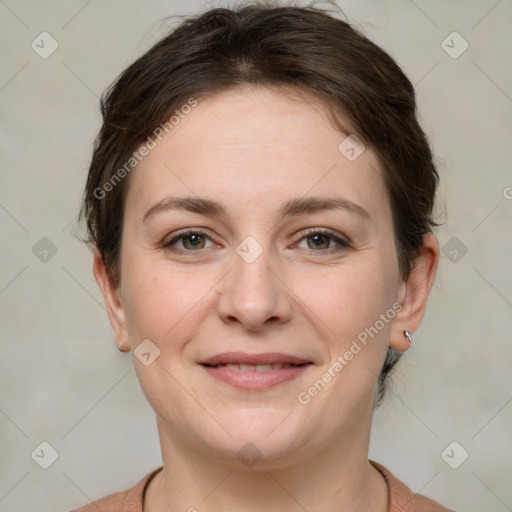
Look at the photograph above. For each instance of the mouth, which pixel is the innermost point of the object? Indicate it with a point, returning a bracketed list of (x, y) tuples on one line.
[(255, 371), (255, 367)]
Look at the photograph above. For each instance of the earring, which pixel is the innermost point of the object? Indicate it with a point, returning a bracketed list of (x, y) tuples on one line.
[(409, 336)]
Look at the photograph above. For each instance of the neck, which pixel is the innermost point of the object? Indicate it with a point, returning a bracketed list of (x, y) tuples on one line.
[(334, 479)]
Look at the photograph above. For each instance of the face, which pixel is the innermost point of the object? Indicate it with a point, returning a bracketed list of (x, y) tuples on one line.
[(260, 263)]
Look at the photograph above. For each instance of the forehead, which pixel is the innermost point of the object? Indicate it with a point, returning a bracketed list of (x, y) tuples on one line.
[(257, 145)]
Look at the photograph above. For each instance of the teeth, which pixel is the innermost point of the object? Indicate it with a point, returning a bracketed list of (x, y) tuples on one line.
[(264, 367), (255, 368)]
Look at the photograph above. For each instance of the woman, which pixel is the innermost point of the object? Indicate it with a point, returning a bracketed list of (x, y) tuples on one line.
[(260, 201)]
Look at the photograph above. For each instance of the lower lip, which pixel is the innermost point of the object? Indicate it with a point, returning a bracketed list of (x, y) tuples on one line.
[(254, 380)]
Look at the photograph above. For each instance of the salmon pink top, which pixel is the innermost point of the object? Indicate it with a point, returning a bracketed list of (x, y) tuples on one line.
[(401, 498)]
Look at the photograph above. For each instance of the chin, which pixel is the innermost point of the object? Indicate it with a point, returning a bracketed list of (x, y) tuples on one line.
[(262, 438)]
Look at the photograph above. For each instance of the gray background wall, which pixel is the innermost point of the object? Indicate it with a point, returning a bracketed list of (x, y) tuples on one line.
[(62, 379)]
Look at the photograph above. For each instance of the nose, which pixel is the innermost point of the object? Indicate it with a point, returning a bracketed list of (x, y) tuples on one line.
[(254, 294)]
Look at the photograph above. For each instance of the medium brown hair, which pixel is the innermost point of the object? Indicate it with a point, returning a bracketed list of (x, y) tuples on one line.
[(304, 49)]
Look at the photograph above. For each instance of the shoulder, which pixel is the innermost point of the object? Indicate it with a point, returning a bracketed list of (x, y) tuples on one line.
[(112, 503), (130, 500), (402, 499)]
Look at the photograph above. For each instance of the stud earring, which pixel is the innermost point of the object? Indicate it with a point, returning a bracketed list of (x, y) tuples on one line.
[(409, 336)]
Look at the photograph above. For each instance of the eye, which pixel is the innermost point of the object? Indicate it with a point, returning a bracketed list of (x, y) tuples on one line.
[(318, 241), (321, 241), (191, 240)]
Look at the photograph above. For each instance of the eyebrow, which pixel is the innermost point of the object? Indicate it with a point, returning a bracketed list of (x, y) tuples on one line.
[(299, 206)]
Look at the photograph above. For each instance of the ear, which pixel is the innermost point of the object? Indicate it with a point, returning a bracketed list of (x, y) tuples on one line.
[(414, 292), (115, 308)]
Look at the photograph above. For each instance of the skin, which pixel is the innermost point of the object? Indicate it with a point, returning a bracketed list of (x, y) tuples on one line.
[(252, 150)]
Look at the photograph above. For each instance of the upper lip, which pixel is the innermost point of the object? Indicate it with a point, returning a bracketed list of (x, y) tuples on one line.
[(252, 359)]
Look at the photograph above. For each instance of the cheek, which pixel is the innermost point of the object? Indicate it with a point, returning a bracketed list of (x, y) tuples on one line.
[(163, 303), (349, 299), (166, 307)]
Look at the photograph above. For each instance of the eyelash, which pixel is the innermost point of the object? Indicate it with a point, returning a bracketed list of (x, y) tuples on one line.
[(343, 245)]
